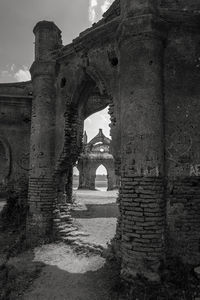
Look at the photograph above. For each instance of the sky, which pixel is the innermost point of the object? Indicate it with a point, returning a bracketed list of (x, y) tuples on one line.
[(17, 20)]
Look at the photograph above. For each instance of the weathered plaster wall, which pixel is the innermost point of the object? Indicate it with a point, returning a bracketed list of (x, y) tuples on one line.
[(182, 125), (181, 4), (142, 145), (15, 122)]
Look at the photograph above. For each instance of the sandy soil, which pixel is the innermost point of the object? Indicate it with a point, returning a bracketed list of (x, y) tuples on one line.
[(96, 214), (95, 197), (68, 275), (71, 276)]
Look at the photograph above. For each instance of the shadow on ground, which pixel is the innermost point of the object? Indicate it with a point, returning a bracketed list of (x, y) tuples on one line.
[(56, 284), (22, 277), (109, 210)]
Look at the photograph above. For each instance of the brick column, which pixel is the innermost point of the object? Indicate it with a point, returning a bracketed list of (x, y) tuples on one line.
[(142, 146), (69, 184), (42, 149)]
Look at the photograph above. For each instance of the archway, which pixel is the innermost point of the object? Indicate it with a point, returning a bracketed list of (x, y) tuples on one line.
[(75, 178), (101, 179)]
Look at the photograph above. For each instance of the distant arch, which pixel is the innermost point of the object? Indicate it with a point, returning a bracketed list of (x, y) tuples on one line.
[(75, 177), (101, 178)]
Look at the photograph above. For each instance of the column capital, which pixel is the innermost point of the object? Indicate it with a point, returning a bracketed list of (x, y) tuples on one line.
[(47, 39), (41, 25)]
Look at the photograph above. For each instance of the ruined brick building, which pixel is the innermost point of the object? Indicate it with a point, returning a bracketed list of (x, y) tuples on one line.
[(94, 154), (143, 61)]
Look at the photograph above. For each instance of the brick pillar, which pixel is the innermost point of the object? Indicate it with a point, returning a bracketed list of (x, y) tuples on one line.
[(69, 184), (42, 149), (142, 146)]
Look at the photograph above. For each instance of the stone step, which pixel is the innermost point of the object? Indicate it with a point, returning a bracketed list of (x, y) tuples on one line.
[(67, 207), (56, 220), (65, 215), (65, 225), (81, 233), (70, 239), (67, 230), (78, 233), (66, 218), (88, 246)]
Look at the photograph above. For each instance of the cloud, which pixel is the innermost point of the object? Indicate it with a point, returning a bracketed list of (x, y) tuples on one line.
[(106, 5), (97, 8), (96, 121), (11, 74), (92, 11), (12, 68), (22, 74)]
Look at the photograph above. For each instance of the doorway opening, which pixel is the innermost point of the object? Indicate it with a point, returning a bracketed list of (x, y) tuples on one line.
[(75, 178), (101, 179)]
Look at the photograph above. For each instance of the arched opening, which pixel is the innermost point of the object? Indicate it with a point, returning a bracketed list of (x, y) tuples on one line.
[(88, 117), (75, 178), (101, 179)]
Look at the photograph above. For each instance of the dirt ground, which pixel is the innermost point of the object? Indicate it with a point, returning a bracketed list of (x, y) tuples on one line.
[(95, 213), (72, 276), (69, 276), (59, 271)]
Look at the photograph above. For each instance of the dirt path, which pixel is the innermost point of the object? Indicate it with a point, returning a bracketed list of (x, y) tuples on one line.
[(71, 276)]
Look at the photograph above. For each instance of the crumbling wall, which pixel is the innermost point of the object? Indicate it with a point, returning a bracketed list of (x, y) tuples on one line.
[(191, 5), (15, 121), (182, 124)]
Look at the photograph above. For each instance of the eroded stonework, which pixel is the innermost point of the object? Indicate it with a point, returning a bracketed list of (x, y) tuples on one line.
[(141, 60)]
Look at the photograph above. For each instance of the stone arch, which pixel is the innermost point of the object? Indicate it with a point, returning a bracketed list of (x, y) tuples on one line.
[(89, 95), (92, 157), (89, 90), (97, 167), (75, 177), (98, 78), (111, 178)]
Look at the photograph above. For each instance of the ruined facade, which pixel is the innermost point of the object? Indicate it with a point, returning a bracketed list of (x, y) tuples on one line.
[(142, 59), (15, 127), (96, 153)]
